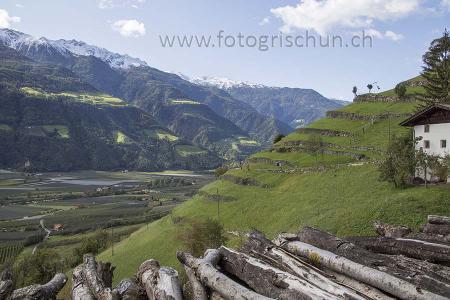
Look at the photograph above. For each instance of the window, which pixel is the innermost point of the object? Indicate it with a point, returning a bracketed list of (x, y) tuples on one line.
[(427, 128), (443, 143), (426, 144)]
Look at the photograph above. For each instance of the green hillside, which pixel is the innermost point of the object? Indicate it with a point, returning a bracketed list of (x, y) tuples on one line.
[(286, 187)]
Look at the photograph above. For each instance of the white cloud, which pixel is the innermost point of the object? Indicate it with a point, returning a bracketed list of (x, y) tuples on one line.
[(6, 20), (446, 3), (394, 36), (324, 15), (129, 28), (380, 35), (19, 5), (105, 4), (264, 21)]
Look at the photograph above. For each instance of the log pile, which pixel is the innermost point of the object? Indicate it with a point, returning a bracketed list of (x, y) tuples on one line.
[(311, 264)]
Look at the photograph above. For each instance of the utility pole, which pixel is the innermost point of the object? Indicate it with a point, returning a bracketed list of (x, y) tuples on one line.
[(112, 241)]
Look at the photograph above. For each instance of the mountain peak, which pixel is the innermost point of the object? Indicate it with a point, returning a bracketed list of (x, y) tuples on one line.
[(20, 41), (220, 82)]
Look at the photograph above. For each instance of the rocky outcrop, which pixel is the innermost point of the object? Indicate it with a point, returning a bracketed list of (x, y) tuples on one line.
[(379, 98), (360, 117)]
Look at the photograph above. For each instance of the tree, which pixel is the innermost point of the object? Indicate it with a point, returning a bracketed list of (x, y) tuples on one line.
[(370, 87), (39, 268), (400, 90), (220, 171), (399, 163), (355, 91), (436, 71), (427, 163), (278, 138), (198, 236)]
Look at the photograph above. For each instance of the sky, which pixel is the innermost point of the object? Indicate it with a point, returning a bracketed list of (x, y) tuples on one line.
[(401, 31)]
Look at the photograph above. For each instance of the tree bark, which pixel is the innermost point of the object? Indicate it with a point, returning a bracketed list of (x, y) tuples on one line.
[(373, 277), (106, 271), (269, 281), (128, 289), (161, 283), (206, 272), (41, 292), (95, 280), (390, 264), (432, 252), (199, 292), (440, 220), (436, 229), (80, 289), (6, 288), (260, 247)]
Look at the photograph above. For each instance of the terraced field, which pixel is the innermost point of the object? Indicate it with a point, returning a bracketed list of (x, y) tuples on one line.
[(286, 187)]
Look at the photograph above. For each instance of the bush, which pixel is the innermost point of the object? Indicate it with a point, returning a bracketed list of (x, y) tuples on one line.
[(278, 138), (39, 268), (400, 90), (198, 236), (399, 164), (93, 244), (220, 171)]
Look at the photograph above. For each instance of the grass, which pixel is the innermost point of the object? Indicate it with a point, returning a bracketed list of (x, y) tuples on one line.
[(5, 127), (189, 102), (379, 108), (121, 138), (340, 201), (410, 91), (62, 131), (338, 124), (187, 150), (302, 159), (167, 136), (91, 98)]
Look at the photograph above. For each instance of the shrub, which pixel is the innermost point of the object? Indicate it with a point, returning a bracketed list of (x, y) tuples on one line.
[(198, 236), (399, 163), (38, 268), (278, 138), (220, 171), (400, 90)]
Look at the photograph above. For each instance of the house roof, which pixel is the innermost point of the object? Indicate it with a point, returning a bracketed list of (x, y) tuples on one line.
[(425, 116)]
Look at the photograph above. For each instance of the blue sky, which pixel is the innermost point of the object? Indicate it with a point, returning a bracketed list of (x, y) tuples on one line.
[(401, 30)]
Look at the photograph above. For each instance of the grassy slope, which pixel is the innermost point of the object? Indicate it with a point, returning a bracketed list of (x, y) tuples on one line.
[(343, 199)]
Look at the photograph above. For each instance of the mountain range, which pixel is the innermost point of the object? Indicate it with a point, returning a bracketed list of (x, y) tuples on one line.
[(209, 122)]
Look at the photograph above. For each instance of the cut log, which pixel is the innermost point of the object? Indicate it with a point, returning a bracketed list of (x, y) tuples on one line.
[(432, 219), (80, 289), (199, 292), (128, 289), (209, 276), (383, 281), (6, 288), (269, 281), (6, 284), (95, 280), (389, 230), (41, 292), (106, 271), (436, 229), (260, 247), (394, 265), (160, 283), (432, 252)]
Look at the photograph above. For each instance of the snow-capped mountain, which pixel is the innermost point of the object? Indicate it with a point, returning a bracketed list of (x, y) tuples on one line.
[(28, 44), (222, 83)]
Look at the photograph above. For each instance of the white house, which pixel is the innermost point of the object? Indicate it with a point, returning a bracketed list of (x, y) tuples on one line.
[(432, 127)]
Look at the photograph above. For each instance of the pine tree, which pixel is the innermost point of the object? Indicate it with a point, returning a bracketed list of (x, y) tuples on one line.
[(436, 71)]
